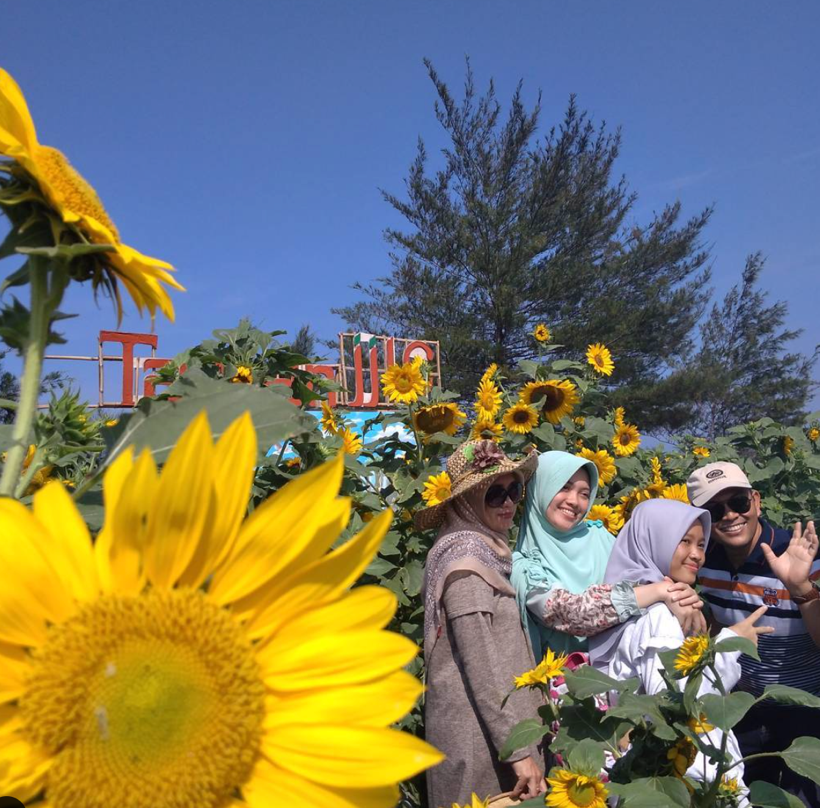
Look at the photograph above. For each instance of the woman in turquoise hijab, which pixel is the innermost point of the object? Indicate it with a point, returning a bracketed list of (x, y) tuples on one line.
[(560, 560)]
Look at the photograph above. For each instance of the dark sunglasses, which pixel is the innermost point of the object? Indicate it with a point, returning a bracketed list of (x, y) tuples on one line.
[(740, 503), (497, 495)]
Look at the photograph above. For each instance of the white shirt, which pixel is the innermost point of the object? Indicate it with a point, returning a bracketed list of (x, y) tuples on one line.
[(637, 656)]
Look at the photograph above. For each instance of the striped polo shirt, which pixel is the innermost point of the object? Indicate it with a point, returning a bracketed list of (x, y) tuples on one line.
[(788, 656)]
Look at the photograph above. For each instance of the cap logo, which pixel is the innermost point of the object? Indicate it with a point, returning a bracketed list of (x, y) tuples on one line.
[(714, 474)]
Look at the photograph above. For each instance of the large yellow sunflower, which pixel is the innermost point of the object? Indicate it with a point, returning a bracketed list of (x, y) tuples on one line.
[(548, 668), (682, 755), (351, 441), (603, 461), (194, 658), (626, 440), (520, 418), (556, 399), (675, 491), (600, 358), (77, 204), (487, 400), (403, 384), (329, 423), (486, 428), (612, 518), (569, 789), (446, 417), (437, 489), (691, 653)]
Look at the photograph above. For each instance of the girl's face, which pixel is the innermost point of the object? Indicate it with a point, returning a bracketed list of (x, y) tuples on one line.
[(571, 503), (689, 555)]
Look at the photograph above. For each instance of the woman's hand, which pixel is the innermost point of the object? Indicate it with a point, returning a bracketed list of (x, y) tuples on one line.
[(747, 628), (682, 594), (531, 780), (686, 605)]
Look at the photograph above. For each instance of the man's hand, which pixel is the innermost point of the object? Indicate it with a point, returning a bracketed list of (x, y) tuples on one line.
[(531, 780), (793, 566), (747, 628)]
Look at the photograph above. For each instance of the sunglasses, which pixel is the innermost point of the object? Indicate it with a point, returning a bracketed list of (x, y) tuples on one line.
[(497, 495), (739, 503)]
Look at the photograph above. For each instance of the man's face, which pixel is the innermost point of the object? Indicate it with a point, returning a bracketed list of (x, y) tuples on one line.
[(731, 527)]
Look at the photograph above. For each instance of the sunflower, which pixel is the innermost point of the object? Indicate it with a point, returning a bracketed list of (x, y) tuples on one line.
[(351, 442), (520, 418), (486, 428), (814, 434), (627, 502), (618, 416), (542, 333), (194, 658), (436, 489), (600, 358), (244, 375), (548, 668), (682, 755), (555, 399), (612, 518), (699, 726), (487, 400), (475, 802), (603, 461), (729, 788), (676, 491), (76, 203), (40, 477), (626, 440), (788, 445), (691, 653), (700, 451), (293, 462), (656, 487), (579, 421), (447, 418), (570, 789), (404, 383), (489, 374), (329, 423)]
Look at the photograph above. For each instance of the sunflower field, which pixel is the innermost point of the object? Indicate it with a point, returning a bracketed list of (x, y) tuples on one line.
[(213, 601)]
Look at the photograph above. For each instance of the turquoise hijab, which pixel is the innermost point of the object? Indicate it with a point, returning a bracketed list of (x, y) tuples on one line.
[(546, 557)]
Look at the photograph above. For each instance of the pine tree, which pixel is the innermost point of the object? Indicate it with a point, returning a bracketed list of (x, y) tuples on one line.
[(9, 390), (515, 229)]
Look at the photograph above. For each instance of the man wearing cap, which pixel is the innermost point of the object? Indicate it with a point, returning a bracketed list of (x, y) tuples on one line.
[(750, 563)]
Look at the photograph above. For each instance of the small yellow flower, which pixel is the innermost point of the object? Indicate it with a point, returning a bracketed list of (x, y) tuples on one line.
[(675, 491), (611, 517), (486, 428), (814, 434), (542, 333), (548, 668), (351, 442), (600, 358), (619, 416), (437, 489), (489, 374), (487, 400), (520, 419), (475, 802), (76, 203), (329, 423), (701, 451), (691, 653), (699, 725), (603, 461), (579, 421), (244, 375), (626, 441), (682, 755), (447, 418), (293, 462), (111, 422), (569, 789), (729, 787), (67, 483), (403, 384), (788, 444)]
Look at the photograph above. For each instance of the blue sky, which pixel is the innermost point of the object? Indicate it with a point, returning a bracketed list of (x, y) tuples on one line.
[(245, 142)]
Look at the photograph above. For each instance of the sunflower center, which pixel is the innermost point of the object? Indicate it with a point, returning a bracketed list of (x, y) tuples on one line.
[(521, 417), (403, 383), (153, 700), (554, 398), (73, 191), (435, 419), (582, 792)]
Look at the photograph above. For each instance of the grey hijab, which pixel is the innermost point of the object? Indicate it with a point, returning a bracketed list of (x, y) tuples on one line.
[(643, 552)]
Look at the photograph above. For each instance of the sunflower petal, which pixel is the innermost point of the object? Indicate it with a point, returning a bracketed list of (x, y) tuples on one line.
[(69, 548), (22, 766), (343, 659), (271, 785), (233, 475), (352, 757), (14, 115), (32, 592), (181, 505), (280, 532), (14, 666), (375, 704), (322, 581)]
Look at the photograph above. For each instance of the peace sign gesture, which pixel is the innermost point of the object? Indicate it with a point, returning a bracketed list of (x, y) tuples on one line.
[(747, 628), (793, 566)]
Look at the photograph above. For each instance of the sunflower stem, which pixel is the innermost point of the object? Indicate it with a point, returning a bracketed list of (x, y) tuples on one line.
[(32, 371)]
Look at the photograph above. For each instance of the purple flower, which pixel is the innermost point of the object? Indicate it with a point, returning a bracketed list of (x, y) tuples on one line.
[(487, 455)]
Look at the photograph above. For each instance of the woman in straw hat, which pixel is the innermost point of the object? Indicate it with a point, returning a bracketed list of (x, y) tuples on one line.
[(474, 644)]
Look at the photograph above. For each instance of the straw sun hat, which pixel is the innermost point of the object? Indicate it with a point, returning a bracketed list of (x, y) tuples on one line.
[(474, 463)]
